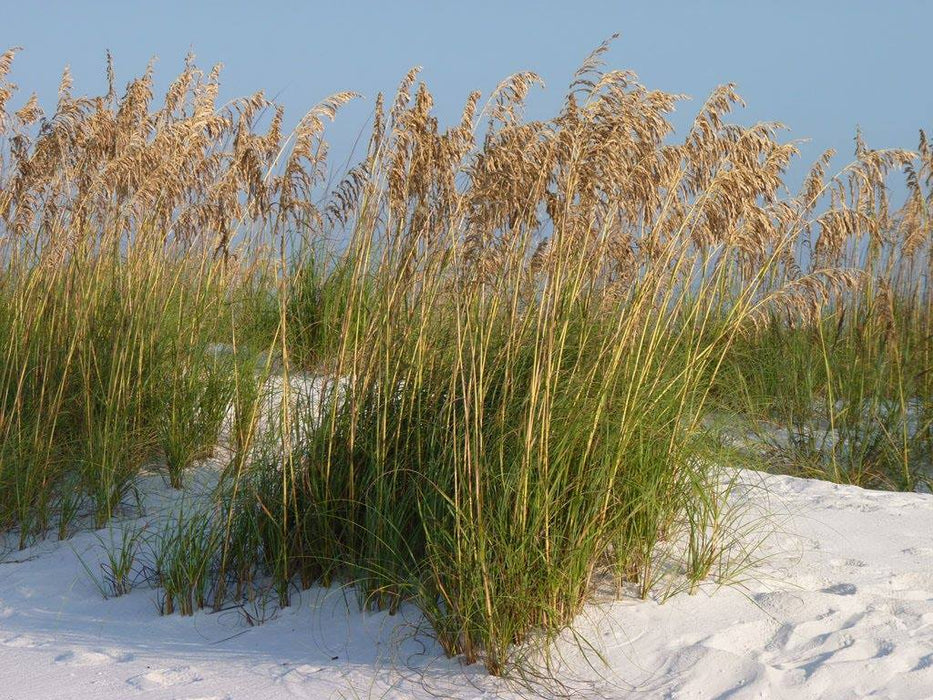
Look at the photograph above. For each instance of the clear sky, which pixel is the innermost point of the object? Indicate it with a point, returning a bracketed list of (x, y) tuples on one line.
[(821, 67)]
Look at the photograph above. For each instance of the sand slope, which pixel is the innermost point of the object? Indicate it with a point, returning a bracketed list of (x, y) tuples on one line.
[(843, 608)]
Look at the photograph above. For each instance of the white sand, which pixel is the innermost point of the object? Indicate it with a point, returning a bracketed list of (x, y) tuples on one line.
[(843, 607)]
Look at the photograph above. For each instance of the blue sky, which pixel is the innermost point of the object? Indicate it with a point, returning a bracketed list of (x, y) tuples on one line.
[(820, 67)]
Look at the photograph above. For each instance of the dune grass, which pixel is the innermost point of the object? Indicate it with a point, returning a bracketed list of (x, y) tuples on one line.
[(512, 355)]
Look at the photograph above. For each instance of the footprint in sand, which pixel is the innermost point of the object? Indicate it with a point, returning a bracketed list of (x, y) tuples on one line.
[(841, 589), (917, 551), (92, 658), (780, 639), (21, 641), (885, 648), (847, 563), (165, 678)]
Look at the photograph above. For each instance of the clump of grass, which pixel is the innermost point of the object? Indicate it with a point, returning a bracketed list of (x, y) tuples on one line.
[(183, 555), (197, 392), (124, 254), (519, 412), (838, 387), (198, 399), (122, 568), (30, 467), (317, 302)]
